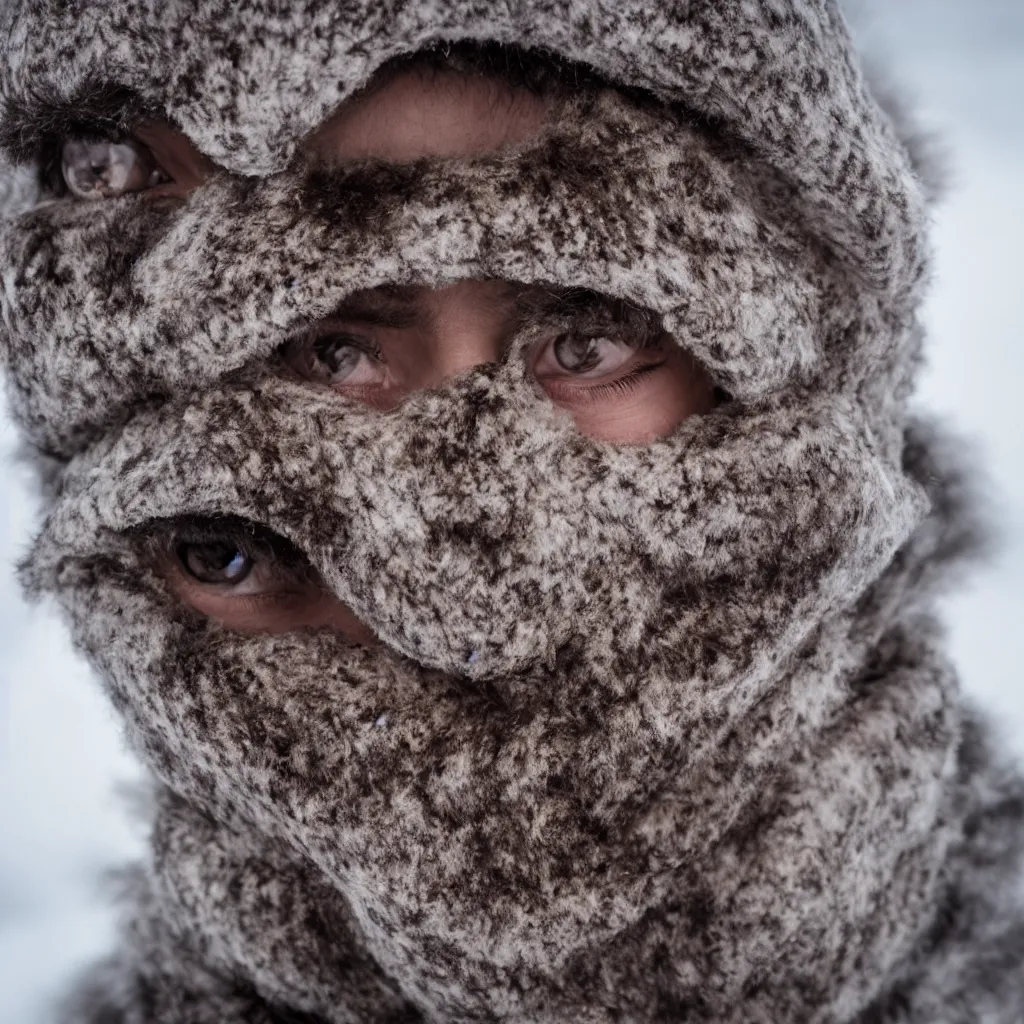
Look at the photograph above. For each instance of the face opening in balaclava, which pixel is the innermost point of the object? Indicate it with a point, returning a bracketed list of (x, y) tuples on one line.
[(648, 732)]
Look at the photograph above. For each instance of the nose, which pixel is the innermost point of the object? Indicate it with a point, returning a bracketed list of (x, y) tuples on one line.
[(471, 325), (457, 352)]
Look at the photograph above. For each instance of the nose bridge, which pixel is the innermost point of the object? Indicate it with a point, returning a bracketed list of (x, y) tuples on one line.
[(470, 323), (458, 347)]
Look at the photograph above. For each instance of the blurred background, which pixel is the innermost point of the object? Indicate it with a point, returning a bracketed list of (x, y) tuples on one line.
[(961, 64)]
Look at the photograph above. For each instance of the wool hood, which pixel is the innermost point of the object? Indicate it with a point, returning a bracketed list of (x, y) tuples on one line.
[(653, 733)]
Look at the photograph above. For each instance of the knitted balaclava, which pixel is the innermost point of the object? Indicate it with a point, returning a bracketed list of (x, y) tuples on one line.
[(654, 732)]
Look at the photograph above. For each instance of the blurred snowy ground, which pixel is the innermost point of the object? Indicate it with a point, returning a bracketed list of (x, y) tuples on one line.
[(60, 821)]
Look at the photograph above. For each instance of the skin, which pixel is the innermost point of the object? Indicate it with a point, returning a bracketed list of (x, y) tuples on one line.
[(385, 344)]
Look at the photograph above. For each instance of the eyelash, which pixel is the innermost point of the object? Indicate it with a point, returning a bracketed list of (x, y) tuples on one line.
[(371, 348), (51, 156), (163, 541), (357, 341), (621, 385)]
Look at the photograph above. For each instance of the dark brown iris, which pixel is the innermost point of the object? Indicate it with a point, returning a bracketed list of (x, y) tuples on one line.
[(220, 562), (576, 353), (337, 355)]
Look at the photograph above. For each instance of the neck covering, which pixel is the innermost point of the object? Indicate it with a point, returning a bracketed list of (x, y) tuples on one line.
[(654, 733)]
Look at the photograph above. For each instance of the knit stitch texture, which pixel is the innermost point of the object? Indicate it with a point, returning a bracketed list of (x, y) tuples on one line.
[(654, 733)]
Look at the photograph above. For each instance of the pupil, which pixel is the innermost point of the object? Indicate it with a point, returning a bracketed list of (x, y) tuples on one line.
[(576, 353), (339, 355), (215, 562)]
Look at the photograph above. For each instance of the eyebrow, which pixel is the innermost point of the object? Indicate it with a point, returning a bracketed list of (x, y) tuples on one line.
[(540, 301), (402, 307), (30, 122), (398, 308)]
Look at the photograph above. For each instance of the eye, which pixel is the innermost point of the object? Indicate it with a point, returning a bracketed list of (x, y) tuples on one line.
[(584, 358), (245, 577), (337, 359), (229, 557), (95, 168), (215, 562), (590, 356)]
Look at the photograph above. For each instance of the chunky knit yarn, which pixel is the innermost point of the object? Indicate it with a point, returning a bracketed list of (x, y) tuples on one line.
[(654, 733)]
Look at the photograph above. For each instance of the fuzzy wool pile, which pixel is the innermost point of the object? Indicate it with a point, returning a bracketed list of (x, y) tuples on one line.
[(654, 733)]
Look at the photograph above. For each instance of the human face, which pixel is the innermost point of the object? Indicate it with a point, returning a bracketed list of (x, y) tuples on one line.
[(625, 382), (400, 117), (618, 386), (622, 379)]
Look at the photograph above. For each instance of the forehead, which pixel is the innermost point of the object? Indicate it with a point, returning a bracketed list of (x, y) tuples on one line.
[(244, 81), (247, 79)]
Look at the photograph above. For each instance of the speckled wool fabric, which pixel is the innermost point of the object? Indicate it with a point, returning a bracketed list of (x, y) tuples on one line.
[(654, 733)]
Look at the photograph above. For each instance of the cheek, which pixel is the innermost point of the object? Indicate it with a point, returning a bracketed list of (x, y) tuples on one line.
[(654, 409), (274, 614), (329, 613)]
